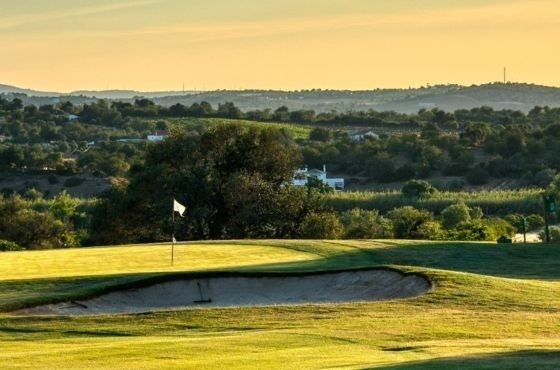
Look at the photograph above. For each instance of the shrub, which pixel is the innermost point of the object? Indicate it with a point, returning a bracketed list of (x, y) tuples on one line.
[(428, 230), (8, 246), (554, 234), (408, 220), (454, 215), (323, 225), (418, 188), (363, 224)]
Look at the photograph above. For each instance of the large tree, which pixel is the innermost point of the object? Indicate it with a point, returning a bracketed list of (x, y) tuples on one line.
[(234, 180)]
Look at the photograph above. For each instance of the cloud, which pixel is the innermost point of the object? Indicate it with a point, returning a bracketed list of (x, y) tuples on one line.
[(522, 15), (510, 17), (22, 20)]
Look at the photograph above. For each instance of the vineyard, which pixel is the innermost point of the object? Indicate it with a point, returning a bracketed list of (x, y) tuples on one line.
[(492, 202)]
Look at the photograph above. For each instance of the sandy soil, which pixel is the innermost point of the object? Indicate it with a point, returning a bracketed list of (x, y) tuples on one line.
[(367, 285)]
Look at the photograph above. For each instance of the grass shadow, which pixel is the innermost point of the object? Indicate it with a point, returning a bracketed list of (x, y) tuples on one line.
[(540, 261), (522, 360)]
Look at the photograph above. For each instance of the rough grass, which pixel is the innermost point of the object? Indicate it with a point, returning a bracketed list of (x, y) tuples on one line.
[(492, 307)]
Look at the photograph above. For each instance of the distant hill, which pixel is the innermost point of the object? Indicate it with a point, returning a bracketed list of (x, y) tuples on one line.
[(125, 94), (515, 96), (7, 89)]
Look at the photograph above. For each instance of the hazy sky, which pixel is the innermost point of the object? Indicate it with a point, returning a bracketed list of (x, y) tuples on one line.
[(64, 45)]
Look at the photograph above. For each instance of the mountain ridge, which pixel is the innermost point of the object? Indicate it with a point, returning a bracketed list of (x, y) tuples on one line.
[(515, 96)]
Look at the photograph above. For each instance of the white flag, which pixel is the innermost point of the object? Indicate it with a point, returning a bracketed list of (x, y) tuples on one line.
[(178, 207)]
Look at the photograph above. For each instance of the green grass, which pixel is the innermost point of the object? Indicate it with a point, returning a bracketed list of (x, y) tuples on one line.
[(493, 306), (298, 131)]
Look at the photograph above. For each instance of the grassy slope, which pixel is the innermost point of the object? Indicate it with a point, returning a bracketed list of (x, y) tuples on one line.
[(493, 306), (298, 131)]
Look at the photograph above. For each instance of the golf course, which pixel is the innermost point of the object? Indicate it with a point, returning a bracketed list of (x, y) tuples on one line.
[(483, 305)]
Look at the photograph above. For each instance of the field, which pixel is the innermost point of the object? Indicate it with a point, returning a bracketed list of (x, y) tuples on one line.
[(297, 131), (492, 202), (492, 306)]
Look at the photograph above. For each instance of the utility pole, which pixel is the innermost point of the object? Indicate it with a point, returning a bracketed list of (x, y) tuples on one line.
[(549, 207), (505, 75)]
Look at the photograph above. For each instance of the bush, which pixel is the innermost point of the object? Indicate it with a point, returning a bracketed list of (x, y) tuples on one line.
[(428, 230), (418, 188), (8, 246), (554, 234), (323, 225), (407, 221), (73, 181), (363, 224), (454, 215)]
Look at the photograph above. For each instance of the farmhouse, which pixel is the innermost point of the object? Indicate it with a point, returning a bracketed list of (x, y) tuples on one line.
[(159, 135), (302, 175), (361, 135)]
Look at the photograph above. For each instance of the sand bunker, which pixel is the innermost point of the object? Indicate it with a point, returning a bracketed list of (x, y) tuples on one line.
[(363, 285)]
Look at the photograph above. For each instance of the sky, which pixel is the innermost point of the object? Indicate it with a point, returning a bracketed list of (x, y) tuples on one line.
[(156, 45)]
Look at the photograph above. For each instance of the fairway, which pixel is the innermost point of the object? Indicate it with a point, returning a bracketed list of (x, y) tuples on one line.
[(491, 306), (138, 259)]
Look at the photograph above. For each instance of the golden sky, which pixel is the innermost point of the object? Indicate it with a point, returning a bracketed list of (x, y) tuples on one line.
[(65, 45)]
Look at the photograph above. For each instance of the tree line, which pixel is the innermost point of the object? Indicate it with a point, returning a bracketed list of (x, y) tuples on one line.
[(235, 182)]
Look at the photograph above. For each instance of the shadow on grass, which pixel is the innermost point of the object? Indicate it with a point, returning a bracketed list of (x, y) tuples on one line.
[(530, 261), (537, 261), (522, 360)]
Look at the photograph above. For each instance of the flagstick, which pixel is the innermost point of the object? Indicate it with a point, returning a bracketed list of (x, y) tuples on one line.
[(172, 234)]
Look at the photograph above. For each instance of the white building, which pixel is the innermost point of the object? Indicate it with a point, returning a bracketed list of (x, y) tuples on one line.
[(361, 135), (301, 176), (158, 136)]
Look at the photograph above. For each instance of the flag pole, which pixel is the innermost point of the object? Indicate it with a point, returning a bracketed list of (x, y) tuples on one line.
[(177, 207), (172, 231)]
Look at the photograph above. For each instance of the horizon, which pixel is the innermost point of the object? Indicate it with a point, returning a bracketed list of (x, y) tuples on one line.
[(186, 91), (161, 45)]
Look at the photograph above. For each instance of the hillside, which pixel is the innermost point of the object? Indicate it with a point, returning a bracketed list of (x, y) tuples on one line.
[(515, 96)]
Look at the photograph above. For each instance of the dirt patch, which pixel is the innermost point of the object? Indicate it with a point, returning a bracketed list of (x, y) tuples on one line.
[(366, 285)]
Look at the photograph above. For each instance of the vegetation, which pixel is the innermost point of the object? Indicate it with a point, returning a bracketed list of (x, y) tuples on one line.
[(231, 169), (32, 222)]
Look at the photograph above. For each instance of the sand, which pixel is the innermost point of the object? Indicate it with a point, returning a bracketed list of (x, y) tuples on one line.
[(363, 285)]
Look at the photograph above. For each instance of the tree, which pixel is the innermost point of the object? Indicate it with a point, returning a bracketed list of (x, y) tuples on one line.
[(365, 224), (321, 134), (476, 133), (32, 229), (322, 225), (407, 221), (454, 215), (228, 110), (232, 178)]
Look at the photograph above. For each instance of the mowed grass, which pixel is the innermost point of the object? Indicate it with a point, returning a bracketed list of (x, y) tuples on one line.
[(141, 258), (492, 306)]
